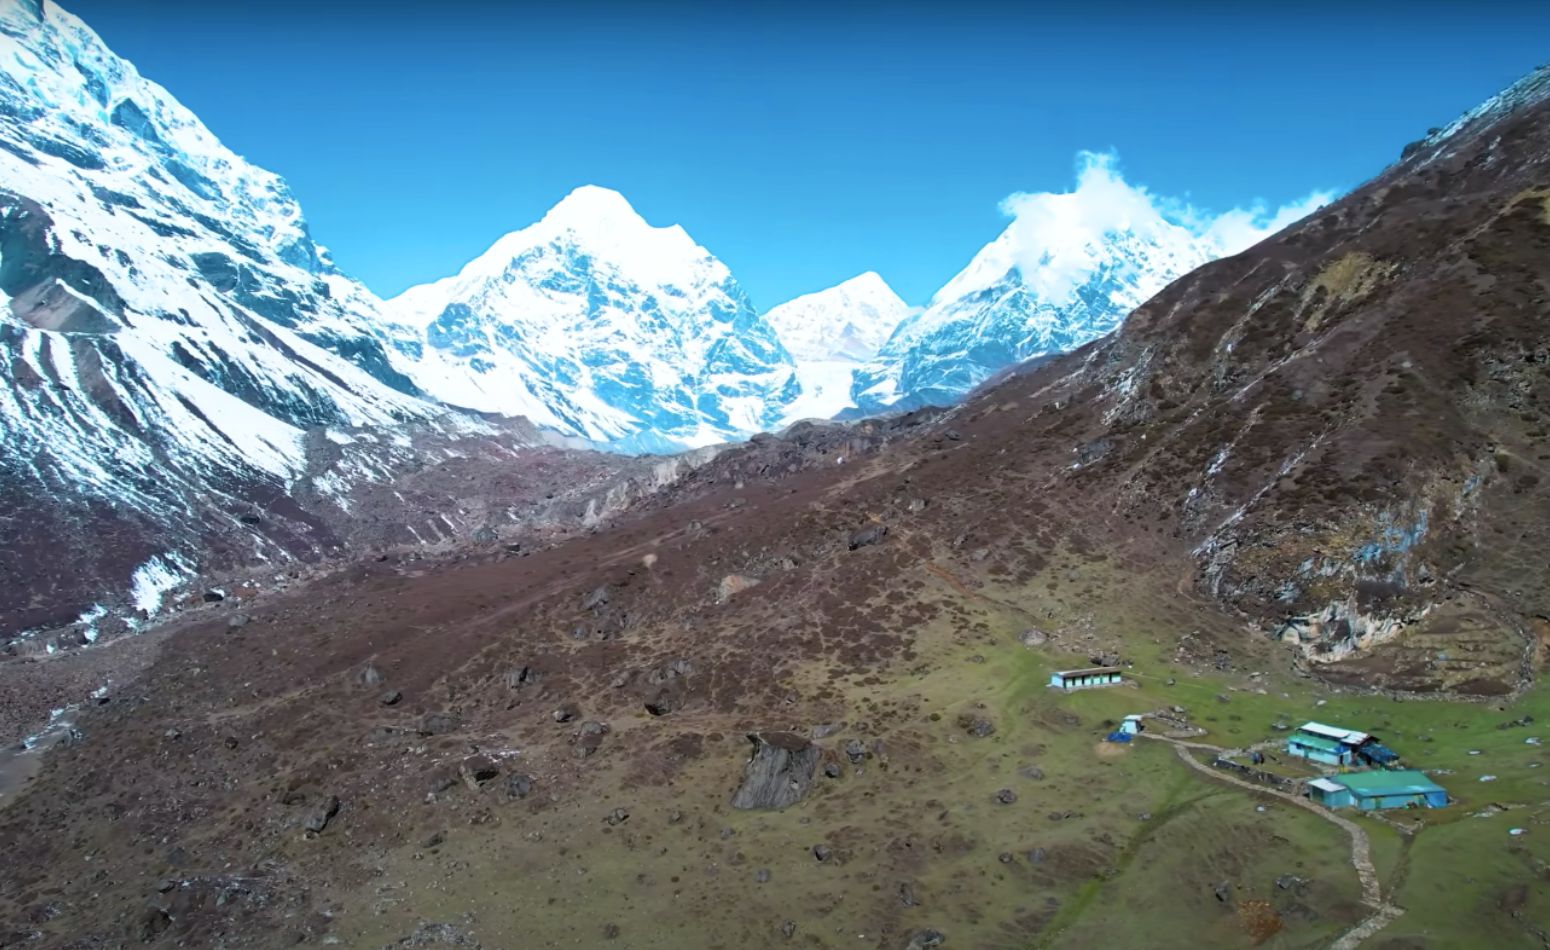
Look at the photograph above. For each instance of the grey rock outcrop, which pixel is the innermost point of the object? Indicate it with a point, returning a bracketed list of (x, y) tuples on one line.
[(779, 773)]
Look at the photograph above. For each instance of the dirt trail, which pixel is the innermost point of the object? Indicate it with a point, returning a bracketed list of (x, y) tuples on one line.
[(1361, 846)]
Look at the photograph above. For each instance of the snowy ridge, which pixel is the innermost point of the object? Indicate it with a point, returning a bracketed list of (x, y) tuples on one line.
[(979, 324), (1532, 88), (596, 323), (132, 232), (168, 329)]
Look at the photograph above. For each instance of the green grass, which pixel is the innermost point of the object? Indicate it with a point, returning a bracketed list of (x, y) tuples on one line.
[(1165, 896), (1470, 884), (1135, 863)]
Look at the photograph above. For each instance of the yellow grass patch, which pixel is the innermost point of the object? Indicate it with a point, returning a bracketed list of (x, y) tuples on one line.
[(1343, 280)]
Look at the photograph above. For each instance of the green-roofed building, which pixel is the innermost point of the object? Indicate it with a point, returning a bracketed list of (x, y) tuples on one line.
[(1372, 791)]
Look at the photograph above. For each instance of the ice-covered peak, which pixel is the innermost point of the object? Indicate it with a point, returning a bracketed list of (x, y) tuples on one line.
[(1066, 270), (595, 322), (848, 321), (869, 282), (593, 207), (594, 223)]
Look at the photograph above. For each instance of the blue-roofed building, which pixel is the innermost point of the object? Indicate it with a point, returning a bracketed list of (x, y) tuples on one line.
[(1376, 753)]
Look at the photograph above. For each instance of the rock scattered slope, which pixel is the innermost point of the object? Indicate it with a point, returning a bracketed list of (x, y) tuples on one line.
[(1343, 425), (543, 750)]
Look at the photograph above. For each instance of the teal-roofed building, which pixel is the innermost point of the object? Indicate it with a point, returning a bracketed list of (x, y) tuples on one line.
[(1377, 790)]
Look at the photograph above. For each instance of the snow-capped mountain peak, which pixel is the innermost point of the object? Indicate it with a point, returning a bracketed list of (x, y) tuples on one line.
[(1068, 269), (595, 322), (848, 321), (171, 339), (598, 221), (605, 223)]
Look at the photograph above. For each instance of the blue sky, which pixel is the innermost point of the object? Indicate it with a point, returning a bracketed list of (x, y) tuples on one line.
[(799, 144)]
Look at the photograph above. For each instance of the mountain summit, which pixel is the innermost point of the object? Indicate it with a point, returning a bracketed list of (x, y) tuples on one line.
[(849, 321), (1066, 271), (595, 322), (831, 333)]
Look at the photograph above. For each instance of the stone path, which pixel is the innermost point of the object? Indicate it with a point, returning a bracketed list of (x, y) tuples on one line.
[(1361, 847)]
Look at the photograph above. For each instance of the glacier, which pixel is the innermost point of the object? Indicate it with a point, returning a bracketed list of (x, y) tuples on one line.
[(831, 334)]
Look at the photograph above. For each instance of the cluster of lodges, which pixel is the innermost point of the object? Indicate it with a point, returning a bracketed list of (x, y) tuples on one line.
[(1376, 781), (1380, 784)]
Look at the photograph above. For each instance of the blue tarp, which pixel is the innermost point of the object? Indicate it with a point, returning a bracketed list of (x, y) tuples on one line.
[(1378, 753)]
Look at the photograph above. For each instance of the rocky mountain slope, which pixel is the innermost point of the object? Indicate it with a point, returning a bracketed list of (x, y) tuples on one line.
[(173, 345), (1317, 462), (1342, 423), (596, 323)]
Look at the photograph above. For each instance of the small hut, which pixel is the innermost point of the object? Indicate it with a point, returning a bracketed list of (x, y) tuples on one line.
[(1086, 679), (1129, 728)]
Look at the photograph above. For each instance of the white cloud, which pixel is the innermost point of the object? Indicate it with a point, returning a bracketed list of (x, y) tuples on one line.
[(1240, 229), (1055, 238)]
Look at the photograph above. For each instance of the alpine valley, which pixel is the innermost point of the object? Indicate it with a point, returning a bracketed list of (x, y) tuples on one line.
[(192, 388), (573, 600)]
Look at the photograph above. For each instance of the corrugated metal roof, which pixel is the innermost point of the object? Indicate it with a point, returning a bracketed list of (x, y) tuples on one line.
[(1350, 736), (1320, 743), (1401, 782), (1095, 671), (1325, 785)]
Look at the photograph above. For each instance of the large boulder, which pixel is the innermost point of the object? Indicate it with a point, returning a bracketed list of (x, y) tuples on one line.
[(320, 816), (869, 535), (779, 773)]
